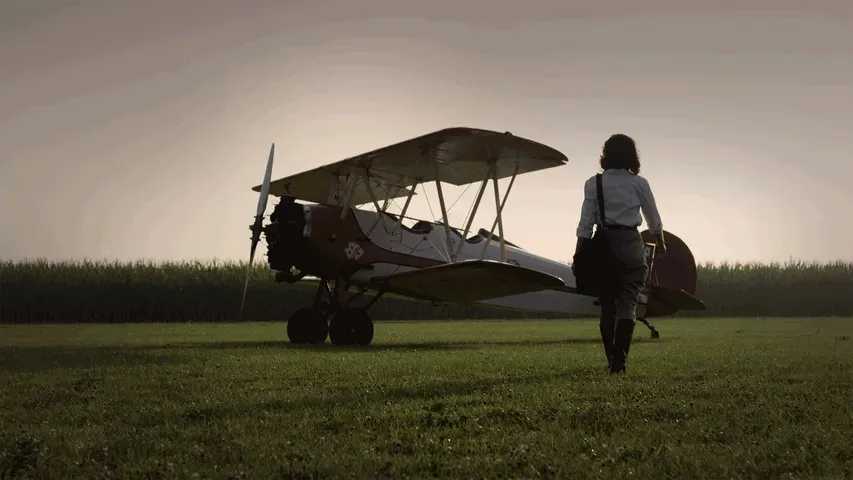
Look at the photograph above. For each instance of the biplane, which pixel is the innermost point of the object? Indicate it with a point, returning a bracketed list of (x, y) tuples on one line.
[(321, 228)]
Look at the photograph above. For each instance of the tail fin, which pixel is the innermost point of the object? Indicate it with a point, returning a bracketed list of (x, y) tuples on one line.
[(672, 279)]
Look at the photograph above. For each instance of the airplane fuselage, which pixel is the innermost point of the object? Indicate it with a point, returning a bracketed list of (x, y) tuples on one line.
[(362, 244), (433, 244)]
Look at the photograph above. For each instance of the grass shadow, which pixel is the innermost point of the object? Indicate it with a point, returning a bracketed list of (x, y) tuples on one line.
[(378, 347), (36, 359), (429, 392), (33, 359)]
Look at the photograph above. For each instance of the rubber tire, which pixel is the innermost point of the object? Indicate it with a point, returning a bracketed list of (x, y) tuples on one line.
[(307, 325), (351, 326)]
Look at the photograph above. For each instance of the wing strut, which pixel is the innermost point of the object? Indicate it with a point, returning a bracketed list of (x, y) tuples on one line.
[(352, 181), (406, 208), (499, 204), (449, 245), (390, 197), (485, 182)]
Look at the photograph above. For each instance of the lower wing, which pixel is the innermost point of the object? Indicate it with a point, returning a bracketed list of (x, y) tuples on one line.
[(467, 281)]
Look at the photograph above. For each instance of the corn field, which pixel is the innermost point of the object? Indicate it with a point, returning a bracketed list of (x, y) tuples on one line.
[(793, 289), (68, 292)]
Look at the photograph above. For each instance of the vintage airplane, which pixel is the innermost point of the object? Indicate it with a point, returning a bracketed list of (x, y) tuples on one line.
[(332, 240)]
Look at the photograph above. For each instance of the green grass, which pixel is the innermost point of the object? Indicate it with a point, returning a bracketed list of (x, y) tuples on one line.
[(711, 399)]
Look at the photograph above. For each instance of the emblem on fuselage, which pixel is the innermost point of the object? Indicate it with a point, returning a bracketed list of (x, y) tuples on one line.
[(353, 251)]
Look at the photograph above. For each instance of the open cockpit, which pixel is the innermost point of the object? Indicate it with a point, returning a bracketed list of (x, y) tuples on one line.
[(423, 227)]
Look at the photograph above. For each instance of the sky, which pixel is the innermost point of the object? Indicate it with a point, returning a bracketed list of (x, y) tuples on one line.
[(136, 129)]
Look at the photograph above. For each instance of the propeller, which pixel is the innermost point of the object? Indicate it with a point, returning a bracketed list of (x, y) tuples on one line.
[(259, 219)]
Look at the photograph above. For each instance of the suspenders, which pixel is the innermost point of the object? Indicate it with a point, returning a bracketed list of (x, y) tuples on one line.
[(600, 193)]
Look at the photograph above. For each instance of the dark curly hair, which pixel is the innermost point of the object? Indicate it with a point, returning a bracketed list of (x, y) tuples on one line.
[(620, 152)]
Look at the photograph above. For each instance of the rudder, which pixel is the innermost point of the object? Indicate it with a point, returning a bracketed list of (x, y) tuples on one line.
[(673, 276)]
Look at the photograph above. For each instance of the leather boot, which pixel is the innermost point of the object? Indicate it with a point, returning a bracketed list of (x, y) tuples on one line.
[(624, 332)]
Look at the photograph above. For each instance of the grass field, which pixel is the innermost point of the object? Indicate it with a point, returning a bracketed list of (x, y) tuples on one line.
[(711, 399)]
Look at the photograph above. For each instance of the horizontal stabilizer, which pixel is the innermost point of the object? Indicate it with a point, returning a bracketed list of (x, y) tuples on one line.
[(467, 281), (667, 300)]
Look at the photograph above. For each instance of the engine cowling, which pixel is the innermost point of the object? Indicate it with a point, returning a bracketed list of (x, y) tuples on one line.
[(285, 238)]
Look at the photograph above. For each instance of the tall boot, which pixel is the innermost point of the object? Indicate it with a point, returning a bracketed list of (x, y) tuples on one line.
[(606, 326), (624, 332)]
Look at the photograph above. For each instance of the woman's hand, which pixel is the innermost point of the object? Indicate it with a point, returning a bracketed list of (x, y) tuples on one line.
[(660, 247)]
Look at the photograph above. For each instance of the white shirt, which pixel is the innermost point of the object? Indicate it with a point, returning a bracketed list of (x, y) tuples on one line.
[(625, 195)]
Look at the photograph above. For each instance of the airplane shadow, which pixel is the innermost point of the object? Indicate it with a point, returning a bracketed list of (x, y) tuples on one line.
[(425, 392), (36, 359), (378, 347), (33, 359)]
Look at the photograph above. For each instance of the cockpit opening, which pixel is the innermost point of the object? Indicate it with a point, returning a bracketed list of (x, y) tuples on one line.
[(423, 227)]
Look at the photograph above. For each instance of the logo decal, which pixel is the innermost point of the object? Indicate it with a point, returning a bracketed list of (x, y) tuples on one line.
[(353, 251)]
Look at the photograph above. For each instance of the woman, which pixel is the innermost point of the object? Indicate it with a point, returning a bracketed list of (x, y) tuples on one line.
[(626, 195)]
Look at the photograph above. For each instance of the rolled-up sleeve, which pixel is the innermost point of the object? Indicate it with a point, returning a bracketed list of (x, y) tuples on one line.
[(589, 210), (649, 207)]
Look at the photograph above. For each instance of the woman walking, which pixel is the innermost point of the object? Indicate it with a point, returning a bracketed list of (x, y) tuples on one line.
[(626, 195)]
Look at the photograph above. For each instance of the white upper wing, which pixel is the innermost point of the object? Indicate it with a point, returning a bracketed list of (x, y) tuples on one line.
[(458, 156)]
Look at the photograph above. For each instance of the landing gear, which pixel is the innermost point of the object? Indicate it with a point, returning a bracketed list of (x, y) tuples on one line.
[(350, 326), (307, 325), (332, 317), (652, 328)]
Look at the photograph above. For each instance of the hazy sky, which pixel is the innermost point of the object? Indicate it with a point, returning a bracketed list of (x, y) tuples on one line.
[(136, 129)]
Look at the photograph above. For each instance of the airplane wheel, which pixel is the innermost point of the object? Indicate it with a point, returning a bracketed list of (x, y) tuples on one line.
[(307, 325), (351, 326), (319, 330)]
